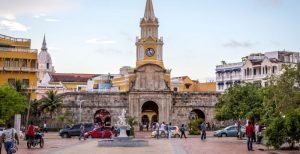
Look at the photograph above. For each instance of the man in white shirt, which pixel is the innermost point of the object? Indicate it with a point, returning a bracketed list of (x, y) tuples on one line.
[(162, 128), (9, 135), (157, 130)]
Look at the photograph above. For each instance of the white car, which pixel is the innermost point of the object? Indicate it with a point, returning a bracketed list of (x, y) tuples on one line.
[(175, 132)]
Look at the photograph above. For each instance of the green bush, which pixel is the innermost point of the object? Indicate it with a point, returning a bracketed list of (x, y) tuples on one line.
[(276, 132), (194, 126)]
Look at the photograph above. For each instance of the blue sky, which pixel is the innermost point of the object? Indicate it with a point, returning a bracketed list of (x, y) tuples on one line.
[(98, 36)]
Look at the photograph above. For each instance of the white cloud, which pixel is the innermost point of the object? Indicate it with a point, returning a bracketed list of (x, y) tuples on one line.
[(100, 41), (39, 15), (236, 44), (51, 20), (13, 25), (31, 7), (9, 17)]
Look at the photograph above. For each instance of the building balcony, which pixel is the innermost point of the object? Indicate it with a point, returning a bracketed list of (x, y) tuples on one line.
[(3, 49), (24, 69), (11, 41)]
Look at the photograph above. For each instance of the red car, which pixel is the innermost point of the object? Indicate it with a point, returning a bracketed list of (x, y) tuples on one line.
[(97, 133)]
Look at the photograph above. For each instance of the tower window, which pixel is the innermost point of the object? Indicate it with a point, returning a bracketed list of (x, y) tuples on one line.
[(47, 65)]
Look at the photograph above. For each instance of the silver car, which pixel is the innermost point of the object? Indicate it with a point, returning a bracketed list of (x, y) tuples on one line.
[(230, 131)]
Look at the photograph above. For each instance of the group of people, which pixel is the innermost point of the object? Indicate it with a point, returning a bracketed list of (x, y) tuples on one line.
[(253, 134), (162, 128)]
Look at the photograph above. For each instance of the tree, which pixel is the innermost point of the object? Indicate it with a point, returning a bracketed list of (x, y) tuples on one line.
[(132, 122), (11, 103), (51, 103), (276, 132), (65, 118), (194, 126), (239, 102)]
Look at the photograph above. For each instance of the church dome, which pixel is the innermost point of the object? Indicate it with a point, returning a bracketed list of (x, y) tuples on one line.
[(44, 57)]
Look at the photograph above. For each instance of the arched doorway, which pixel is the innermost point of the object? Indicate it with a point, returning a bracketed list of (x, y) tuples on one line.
[(196, 113), (149, 110), (102, 117)]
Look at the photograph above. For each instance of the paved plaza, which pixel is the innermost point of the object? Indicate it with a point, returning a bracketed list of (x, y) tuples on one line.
[(192, 145)]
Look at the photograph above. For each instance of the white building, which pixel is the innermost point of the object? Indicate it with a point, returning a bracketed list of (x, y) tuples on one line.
[(255, 68), (228, 74)]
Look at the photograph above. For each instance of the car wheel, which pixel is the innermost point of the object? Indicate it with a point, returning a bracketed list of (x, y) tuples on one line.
[(64, 135), (223, 135), (176, 136), (90, 136)]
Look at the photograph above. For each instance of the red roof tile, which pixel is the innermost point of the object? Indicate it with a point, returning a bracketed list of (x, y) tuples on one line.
[(71, 77)]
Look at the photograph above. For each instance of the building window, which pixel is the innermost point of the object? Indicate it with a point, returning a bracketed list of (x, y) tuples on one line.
[(16, 63), (187, 86), (11, 82), (263, 70), (175, 89), (266, 69), (24, 63), (274, 69), (254, 71), (141, 53), (47, 65), (25, 83), (7, 63), (32, 64)]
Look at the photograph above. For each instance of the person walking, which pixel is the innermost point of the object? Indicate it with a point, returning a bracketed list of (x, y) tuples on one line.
[(169, 131), (9, 136), (82, 130), (157, 130), (203, 131), (182, 131), (147, 126), (249, 133), (163, 129)]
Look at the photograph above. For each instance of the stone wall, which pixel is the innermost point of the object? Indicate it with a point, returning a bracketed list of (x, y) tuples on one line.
[(92, 102), (184, 103)]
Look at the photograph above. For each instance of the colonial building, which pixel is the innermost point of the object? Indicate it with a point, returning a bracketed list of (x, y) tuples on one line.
[(144, 91), (256, 68), (18, 62)]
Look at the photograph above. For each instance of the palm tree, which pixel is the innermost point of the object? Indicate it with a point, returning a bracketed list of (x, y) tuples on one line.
[(51, 103), (132, 122)]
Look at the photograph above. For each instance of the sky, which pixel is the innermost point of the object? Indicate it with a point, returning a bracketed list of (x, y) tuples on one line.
[(98, 36)]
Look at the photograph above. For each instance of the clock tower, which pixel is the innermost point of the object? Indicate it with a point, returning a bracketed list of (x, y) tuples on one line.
[(149, 47)]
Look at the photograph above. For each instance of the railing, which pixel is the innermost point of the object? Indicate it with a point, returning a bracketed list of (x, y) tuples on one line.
[(14, 39), (18, 69), (230, 65), (3, 49)]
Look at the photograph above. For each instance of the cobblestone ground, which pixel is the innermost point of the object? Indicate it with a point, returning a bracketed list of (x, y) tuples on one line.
[(192, 145)]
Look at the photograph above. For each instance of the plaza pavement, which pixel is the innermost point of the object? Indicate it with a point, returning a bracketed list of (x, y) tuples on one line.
[(192, 145)]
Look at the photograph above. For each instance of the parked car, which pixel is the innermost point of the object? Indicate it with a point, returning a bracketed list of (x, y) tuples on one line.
[(97, 133), (230, 131), (175, 132), (75, 130)]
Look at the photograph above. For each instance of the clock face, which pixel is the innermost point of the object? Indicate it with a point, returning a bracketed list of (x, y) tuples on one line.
[(150, 52)]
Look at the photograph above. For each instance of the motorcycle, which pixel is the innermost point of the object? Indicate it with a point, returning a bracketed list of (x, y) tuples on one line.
[(38, 139)]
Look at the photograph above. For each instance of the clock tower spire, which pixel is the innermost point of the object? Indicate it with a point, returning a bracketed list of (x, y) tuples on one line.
[(149, 47)]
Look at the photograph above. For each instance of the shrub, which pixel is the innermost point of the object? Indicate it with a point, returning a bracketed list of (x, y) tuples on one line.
[(194, 126), (276, 132)]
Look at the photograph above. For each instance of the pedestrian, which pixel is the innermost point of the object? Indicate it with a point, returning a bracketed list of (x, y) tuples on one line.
[(82, 131), (45, 127), (239, 129), (157, 130), (147, 126), (169, 130), (163, 129), (1, 142), (10, 136), (203, 131), (182, 131), (213, 126), (249, 133), (256, 132)]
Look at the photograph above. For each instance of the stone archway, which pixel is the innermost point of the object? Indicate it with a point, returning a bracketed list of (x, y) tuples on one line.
[(151, 111), (197, 113), (102, 117)]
